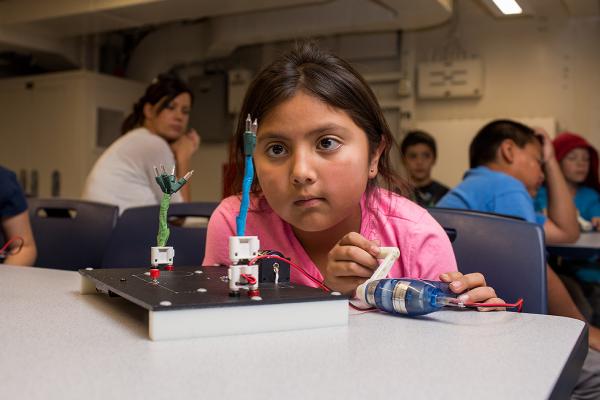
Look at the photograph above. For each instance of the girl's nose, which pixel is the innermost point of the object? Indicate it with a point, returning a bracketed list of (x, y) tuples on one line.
[(302, 169)]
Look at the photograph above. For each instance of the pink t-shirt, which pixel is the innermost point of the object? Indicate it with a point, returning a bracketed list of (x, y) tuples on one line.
[(425, 250)]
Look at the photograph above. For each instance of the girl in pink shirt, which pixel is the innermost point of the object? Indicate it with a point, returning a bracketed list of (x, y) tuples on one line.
[(323, 192)]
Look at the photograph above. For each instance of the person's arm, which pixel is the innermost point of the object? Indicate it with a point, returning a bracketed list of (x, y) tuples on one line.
[(183, 149), (561, 225), (595, 211), (18, 225), (560, 303)]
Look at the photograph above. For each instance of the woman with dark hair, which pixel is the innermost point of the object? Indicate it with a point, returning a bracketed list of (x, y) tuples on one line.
[(155, 133), (324, 190)]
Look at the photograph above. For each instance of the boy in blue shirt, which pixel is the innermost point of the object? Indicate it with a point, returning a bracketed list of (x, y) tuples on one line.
[(14, 220), (508, 161)]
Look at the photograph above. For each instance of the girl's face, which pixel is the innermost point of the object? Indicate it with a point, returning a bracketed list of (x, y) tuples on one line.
[(312, 163), (576, 165), (171, 123)]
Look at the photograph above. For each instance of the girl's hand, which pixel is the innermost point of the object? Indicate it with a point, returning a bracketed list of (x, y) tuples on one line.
[(596, 223), (351, 262), (473, 289), (186, 145)]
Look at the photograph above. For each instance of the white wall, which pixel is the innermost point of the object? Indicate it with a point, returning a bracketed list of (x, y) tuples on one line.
[(535, 68), (52, 125), (545, 66), (539, 67)]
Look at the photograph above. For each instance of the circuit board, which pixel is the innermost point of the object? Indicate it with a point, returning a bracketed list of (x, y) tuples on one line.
[(192, 302), (192, 287)]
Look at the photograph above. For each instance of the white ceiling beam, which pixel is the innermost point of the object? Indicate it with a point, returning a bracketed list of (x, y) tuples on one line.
[(19, 11), (20, 39)]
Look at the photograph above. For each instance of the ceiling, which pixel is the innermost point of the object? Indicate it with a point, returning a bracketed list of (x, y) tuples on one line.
[(53, 26), (56, 27)]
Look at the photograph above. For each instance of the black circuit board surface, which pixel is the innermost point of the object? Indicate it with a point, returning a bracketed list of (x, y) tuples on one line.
[(193, 287)]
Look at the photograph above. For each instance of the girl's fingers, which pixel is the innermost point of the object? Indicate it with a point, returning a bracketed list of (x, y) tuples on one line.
[(348, 269), (358, 240), (466, 282), (493, 300), (478, 295), (354, 254), (450, 276), (345, 285)]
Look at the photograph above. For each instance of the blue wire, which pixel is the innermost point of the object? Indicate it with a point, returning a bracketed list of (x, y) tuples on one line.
[(247, 183)]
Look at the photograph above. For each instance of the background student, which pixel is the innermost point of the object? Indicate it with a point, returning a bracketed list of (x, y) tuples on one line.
[(579, 164), (419, 153), (508, 161), (155, 133), (15, 221), (322, 144)]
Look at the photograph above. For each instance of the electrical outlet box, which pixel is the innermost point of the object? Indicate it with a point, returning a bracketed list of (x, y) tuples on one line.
[(450, 79)]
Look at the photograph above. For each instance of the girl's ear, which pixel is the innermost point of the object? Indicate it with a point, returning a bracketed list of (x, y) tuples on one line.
[(373, 171), (148, 111), (506, 151)]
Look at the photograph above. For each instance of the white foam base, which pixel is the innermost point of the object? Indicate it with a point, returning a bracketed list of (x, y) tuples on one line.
[(218, 321)]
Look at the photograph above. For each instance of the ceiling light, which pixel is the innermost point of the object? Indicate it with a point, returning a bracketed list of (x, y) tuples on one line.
[(508, 7)]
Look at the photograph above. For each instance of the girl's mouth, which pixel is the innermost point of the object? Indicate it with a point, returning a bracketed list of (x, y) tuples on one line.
[(309, 202)]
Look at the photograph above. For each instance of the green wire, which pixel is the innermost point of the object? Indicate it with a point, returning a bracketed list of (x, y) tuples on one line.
[(163, 227)]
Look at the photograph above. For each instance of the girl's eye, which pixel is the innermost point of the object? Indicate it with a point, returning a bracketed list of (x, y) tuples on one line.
[(276, 150), (329, 144)]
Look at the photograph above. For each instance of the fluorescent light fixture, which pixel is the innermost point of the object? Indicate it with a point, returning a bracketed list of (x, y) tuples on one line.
[(508, 7)]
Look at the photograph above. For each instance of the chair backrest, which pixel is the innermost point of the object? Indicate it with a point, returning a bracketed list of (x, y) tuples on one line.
[(71, 234), (137, 228), (509, 252)]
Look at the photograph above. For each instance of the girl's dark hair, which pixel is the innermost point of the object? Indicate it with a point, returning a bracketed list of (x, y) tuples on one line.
[(418, 137), (330, 79), (485, 144), (163, 89)]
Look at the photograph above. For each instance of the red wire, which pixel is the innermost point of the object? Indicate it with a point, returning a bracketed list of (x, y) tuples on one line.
[(518, 305), (363, 310), (312, 278), (251, 280), (12, 239)]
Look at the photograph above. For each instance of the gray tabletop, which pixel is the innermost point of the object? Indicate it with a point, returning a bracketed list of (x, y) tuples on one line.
[(588, 245), (57, 343)]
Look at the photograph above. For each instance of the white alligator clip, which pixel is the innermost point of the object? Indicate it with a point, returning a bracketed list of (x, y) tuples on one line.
[(389, 256)]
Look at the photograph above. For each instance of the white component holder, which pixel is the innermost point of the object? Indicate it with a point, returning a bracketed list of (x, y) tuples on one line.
[(389, 256), (161, 255), (242, 248), (234, 272)]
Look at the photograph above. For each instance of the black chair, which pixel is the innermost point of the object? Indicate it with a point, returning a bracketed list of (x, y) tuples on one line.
[(137, 228), (509, 252), (71, 234)]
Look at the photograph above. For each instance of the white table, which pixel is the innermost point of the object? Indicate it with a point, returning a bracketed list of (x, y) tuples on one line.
[(58, 344), (588, 245)]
